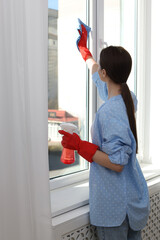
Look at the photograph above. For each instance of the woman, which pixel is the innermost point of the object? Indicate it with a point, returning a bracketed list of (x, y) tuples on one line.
[(119, 199)]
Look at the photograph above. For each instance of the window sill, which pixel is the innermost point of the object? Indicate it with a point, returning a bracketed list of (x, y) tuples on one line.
[(150, 171), (68, 198), (76, 208), (81, 212)]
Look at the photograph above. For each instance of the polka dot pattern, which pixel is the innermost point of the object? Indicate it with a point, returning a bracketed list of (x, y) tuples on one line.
[(112, 194)]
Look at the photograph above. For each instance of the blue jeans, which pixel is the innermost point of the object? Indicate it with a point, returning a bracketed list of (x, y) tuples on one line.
[(123, 232)]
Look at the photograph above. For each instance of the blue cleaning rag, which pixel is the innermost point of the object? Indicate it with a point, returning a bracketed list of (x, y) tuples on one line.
[(79, 28)]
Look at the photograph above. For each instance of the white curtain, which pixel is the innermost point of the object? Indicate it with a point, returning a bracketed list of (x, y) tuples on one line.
[(24, 186)]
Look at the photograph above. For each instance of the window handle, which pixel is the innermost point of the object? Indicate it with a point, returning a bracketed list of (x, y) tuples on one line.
[(102, 43), (105, 44)]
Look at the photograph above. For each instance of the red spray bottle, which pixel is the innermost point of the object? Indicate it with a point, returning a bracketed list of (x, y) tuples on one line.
[(68, 155)]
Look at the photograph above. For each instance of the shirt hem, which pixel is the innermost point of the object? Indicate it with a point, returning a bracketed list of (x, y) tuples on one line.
[(108, 225)]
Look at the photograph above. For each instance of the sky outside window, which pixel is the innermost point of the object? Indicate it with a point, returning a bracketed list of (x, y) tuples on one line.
[(53, 4)]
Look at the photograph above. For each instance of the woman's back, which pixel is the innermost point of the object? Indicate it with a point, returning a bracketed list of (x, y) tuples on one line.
[(114, 195)]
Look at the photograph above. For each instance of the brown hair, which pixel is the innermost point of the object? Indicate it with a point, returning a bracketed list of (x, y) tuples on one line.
[(118, 63)]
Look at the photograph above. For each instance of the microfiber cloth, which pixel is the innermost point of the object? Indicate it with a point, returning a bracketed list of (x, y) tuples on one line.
[(80, 29)]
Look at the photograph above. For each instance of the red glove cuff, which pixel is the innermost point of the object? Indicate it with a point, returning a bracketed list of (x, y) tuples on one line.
[(87, 150), (85, 53)]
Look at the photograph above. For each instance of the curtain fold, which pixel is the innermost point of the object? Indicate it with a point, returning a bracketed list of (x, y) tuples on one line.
[(24, 178)]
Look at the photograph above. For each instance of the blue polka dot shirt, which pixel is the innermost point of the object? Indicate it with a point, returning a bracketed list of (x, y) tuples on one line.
[(114, 195)]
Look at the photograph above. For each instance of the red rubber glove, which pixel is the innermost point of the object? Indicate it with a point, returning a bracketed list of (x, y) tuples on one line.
[(84, 148), (82, 45)]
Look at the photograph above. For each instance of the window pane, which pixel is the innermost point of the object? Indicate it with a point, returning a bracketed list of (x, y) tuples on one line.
[(112, 22), (67, 81), (154, 114), (120, 28)]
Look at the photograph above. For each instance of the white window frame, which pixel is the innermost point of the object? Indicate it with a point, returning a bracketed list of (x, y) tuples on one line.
[(150, 170), (80, 179), (143, 83), (84, 175), (68, 183), (70, 179)]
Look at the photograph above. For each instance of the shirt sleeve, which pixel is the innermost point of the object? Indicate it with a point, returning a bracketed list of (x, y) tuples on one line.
[(116, 141), (101, 86)]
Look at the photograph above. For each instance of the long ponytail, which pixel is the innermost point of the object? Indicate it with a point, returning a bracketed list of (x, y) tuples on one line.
[(118, 63), (127, 98)]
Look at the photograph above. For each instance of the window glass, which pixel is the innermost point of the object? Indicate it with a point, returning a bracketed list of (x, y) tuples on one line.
[(67, 81), (120, 25), (154, 117)]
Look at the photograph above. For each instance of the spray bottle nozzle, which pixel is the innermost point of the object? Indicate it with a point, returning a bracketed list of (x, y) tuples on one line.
[(68, 127)]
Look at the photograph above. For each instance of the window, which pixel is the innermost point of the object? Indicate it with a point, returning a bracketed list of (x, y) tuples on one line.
[(120, 28), (132, 24), (155, 84), (148, 83), (71, 95), (67, 81), (68, 93)]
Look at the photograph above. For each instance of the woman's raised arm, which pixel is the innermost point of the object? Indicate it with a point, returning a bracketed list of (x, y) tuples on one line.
[(92, 65)]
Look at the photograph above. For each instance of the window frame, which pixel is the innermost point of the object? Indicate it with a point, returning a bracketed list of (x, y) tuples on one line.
[(69, 179), (144, 82), (82, 175), (95, 18)]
